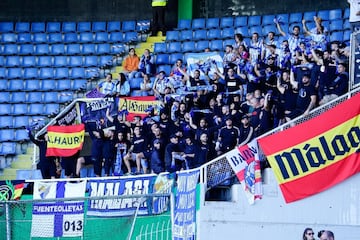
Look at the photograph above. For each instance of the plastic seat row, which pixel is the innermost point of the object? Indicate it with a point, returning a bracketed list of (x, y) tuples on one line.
[(7, 135), (34, 85), (8, 148), (65, 27), (225, 22), (33, 109), (55, 61), (36, 97), (62, 49), (85, 37)]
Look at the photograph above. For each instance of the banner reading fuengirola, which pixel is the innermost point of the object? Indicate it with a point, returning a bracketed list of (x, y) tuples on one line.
[(58, 218), (317, 154), (184, 222), (245, 162)]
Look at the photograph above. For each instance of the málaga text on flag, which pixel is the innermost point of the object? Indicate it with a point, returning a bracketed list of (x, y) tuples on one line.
[(55, 218), (306, 162), (65, 141), (245, 162)]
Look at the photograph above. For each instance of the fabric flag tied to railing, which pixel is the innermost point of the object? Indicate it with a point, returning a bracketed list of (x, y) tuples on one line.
[(65, 141)]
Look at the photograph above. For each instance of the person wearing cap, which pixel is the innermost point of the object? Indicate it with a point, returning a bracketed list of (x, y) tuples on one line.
[(157, 164), (228, 137), (246, 131), (172, 150)]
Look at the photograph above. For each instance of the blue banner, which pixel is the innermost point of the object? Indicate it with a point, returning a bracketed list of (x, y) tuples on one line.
[(185, 206)]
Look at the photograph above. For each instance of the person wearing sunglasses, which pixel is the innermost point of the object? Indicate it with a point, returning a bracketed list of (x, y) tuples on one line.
[(308, 234)]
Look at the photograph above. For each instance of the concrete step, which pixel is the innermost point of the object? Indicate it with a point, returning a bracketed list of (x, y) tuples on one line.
[(22, 164), (24, 157), (156, 39)]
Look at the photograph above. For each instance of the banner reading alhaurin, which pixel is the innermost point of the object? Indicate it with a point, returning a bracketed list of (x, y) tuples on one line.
[(65, 141), (136, 106), (317, 154)]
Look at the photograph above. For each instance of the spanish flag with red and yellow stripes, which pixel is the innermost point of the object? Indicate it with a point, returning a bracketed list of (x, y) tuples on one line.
[(317, 154), (65, 141)]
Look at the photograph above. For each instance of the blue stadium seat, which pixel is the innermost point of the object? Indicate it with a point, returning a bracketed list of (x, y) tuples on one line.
[(18, 97), (78, 84), (26, 49), (243, 31), (5, 97), (160, 47), (41, 49), (36, 109), (21, 135), (254, 21), (172, 35), (216, 45), (198, 23), (86, 37), (346, 37), (60, 61), (46, 73), (55, 38), (30, 73), (135, 83), (283, 18), (83, 27), (336, 25), (51, 108), (98, 27), (9, 38), (6, 121), (3, 84), (268, 28), (200, 34), (346, 25), (212, 23), (295, 17), (256, 29), (184, 24), (228, 33), (8, 148), (63, 84), (174, 47), (50, 97), (57, 49), (45, 61), (267, 19), (21, 121), (128, 26), (175, 56), (186, 35), (226, 22), (114, 26), (3, 73), (14, 73), (92, 73), (75, 61), (309, 16), (88, 49), (335, 14), (73, 49), (12, 61), (214, 34), (162, 59), (24, 38), (116, 37), (21, 27), (106, 60), (5, 108), (324, 15), (48, 84), (119, 49), (53, 27), (103, 48), (38, 27), (68, 27), (77, 73), (337, 36), (35, 97), (188, 47), (32, 85), (346, 13), (7, 135), (10, 49), (65, 97), (165, 68), (70, 38), (39, 38), (91, 61), (201, 45), (131, 37), (20, 109), (61, 73), (6, 27), (16, 85), (143, 26), (101, 37), (2, 61)]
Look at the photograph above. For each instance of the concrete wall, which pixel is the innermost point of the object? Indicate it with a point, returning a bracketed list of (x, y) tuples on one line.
[(337, 209)]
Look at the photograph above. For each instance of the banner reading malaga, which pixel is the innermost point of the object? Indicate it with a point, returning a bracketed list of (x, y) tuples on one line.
[(317, 154), (65, 141)]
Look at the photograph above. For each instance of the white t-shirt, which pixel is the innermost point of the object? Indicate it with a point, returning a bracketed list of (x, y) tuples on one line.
[(354, 9)]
